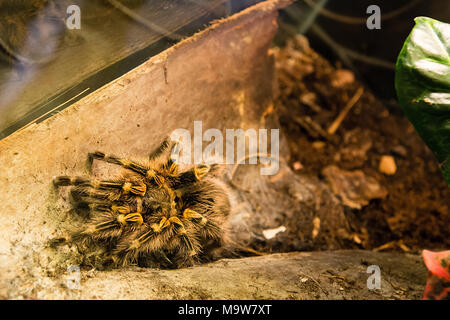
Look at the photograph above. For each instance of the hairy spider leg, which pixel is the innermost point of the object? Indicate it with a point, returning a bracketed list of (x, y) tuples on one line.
[(106, 225), (114, 221), (192, 176), (126, 187), (87, 201), (194, 216), (171, 165), (201, 221), (125, 252), (113, 217), (180, 230), (160, 150), (156, 229), (85, 197), (174, 157), (142, 170), (125, 163)]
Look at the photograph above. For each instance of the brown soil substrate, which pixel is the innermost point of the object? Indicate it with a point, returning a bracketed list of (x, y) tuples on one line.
[(414, 214)]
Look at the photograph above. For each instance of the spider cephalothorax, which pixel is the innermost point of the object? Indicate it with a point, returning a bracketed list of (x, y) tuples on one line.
[(154, 213)]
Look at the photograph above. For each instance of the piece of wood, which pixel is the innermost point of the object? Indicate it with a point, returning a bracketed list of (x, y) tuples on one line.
[(337, 122)]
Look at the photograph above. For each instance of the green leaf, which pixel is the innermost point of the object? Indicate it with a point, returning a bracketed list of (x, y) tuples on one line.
[(422, 82)]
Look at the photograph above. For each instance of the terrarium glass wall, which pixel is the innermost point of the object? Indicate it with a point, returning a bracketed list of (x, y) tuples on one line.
[(54, 52)]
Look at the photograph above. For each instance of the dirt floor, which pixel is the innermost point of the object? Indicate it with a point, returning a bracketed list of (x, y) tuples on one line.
[(410, 208)]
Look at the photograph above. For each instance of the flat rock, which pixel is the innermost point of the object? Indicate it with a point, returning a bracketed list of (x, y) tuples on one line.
[(306, 275)]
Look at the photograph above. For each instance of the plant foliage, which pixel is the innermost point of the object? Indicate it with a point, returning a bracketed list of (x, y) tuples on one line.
[(422, 82)]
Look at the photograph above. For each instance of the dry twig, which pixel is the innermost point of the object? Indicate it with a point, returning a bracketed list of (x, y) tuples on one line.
[(337, 122)]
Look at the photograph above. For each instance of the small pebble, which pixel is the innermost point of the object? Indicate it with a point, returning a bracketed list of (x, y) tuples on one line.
[(342, 78), (271, 233), (297, 165), (318, 145), (387, 165)]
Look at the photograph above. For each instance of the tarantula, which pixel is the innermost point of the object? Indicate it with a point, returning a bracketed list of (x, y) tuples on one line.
[(154, 212)]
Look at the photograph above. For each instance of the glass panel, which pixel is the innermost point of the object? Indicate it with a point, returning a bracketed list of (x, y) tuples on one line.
[(48, 61)]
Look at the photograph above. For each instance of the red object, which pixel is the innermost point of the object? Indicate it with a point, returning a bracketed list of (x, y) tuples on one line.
[(438, 281)]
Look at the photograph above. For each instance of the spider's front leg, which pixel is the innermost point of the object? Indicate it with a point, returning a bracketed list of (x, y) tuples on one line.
[(125, 163), (136, 167), (126, 187), (162, 148), (143, 170)]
